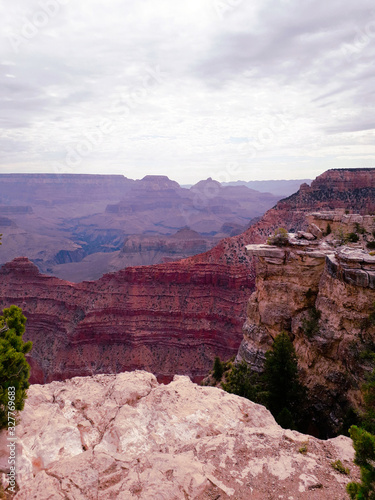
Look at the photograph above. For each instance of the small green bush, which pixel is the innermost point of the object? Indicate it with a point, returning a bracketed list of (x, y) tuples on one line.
[(328, 229), (311, 326), (359, 229), (353, 237), (340, 236), (364, 445), (241, 380), (337, 465), (279, 238), (303, 449), (371, 245), (218, 369)]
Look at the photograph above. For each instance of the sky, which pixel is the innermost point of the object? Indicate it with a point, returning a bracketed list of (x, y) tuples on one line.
[(228, 89)]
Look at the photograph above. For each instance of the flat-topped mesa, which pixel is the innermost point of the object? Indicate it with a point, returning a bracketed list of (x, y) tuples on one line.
[(322, 293), (345, 179)]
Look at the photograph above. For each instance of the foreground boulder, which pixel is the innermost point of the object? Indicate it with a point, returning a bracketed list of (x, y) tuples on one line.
[(127, 437)]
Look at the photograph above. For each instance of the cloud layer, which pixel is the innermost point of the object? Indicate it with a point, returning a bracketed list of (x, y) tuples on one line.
[(228, 89)]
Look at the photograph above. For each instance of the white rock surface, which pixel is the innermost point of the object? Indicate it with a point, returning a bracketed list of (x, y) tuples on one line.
[(127, 437)]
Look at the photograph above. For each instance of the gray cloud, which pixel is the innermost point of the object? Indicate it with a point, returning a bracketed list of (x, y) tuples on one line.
[(218, 78)]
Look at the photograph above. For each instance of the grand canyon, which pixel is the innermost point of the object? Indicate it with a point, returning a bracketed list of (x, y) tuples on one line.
[(78, 227), (171, 319)]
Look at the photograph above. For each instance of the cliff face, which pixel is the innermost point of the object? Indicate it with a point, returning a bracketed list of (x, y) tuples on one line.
[(323, 293), (168, 319), (128, 437)]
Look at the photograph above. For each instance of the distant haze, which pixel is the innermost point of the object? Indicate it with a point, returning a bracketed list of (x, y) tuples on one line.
[(279, 187)]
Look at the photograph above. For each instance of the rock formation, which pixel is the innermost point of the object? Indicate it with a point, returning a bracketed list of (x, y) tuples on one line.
[(323, 293), (351, 190), (127, 437), (60, 220), (168, 319)]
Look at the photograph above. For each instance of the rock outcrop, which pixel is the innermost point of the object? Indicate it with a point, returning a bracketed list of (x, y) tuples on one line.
[(323, 293), (127, 437), (168, 319), (345, 190)]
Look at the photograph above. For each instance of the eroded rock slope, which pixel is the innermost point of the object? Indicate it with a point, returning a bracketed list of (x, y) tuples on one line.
[(168, 319)]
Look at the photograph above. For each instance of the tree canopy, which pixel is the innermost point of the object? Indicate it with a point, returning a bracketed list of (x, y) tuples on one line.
[(281, 377), (14, 369)]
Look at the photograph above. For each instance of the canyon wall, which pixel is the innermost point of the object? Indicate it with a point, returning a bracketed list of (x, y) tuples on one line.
[(168, 319), (351, 190), (323, 293)]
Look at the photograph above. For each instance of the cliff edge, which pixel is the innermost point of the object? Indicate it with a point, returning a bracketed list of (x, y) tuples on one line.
[(321, 289), (127, 437)]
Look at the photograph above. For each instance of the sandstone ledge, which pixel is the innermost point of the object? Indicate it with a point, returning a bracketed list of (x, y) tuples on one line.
[(128, 437)]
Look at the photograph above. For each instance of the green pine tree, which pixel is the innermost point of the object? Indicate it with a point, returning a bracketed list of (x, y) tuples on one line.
[(368, 391), (364, 445), (285, 392), (241, 380), (218, 369), (14, 369)]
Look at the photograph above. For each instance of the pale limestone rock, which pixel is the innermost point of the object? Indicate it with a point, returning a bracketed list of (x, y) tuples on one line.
[(305, 235), (166, 442), (316, 231)]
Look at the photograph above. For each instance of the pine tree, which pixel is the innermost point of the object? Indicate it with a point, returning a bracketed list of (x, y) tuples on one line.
[(281, 376), (218, 369), (14, 369), (364, 445), (241, 380)]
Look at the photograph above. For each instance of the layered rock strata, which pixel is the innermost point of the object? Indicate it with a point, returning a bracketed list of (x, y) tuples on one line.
[(339, 190), (168, 319), (127, 437), (153, 314), (324, 295)]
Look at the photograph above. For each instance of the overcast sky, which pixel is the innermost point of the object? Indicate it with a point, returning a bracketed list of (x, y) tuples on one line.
[(230, 89)]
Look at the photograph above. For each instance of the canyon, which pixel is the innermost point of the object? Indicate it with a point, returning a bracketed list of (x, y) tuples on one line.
[(79, 227), (125, 436), (170, 318)]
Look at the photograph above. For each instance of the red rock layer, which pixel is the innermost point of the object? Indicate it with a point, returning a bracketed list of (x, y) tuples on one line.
[(168, 319)]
